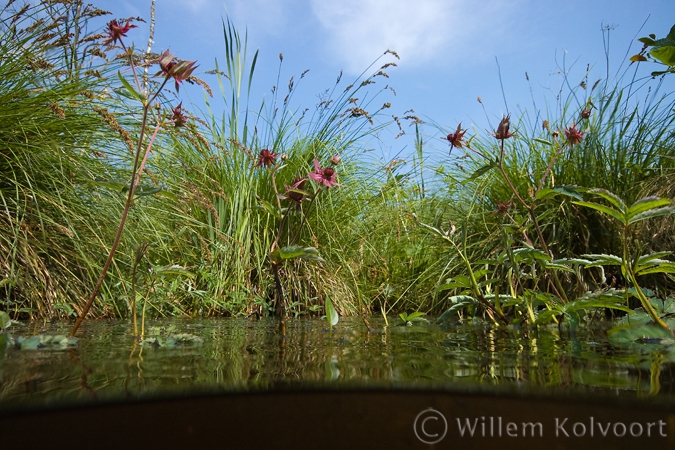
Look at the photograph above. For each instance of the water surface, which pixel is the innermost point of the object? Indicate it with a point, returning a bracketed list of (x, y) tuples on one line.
[(241, 354)]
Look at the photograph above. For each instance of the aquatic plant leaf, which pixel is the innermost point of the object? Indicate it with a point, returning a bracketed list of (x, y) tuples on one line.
[(112, 185), (271, 210), (646, 204), (543, 141), (46, 342), (610, 197), (529, 255), (603, 260), (664, 54), (579, 261), (547, 315), (143, 191), (5, 321), (331, 315), (459, 302), (652, 213), (553, 265), (569, 191), (174, 269), (661, 266), (129, 88), (644, 259), (618, 215), (295, 251), (641, 334), (481, 171)]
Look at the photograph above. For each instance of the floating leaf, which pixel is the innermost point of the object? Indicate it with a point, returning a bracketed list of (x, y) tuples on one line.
[(331, 315)]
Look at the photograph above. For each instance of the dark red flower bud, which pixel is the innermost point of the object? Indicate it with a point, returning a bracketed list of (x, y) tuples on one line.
[(502, 131)]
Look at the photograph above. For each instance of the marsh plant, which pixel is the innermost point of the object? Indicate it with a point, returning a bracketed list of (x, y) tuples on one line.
[(170, 68)]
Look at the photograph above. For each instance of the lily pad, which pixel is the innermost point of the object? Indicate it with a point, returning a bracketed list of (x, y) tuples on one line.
[(45, 342)]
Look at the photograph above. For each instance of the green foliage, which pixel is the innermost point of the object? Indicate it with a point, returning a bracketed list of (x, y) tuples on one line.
[(662, 50), (410, 319)]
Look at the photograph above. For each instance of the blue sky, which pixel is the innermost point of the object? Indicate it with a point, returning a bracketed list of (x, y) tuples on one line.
[(447, 49)]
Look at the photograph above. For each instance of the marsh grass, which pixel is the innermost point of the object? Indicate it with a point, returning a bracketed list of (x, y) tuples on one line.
[(199, 238)]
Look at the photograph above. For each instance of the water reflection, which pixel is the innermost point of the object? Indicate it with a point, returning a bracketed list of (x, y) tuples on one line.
[(239, 354)]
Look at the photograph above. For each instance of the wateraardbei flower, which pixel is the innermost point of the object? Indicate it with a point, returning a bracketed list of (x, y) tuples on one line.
[(502, 131), (266, 158), (179, 119), (456, 139), (574, 136), (295, 191), (179, 70), (323, 176), (116, 31)]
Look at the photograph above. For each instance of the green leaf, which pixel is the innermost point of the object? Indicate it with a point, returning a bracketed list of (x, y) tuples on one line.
[(646, 204), (547, 316), (552, 265), (530, 254), (638, 58), (570, 191), (5, 321), (664, 54), (295, 251), (130, 88), (112, 185), (331, 315), (174, 270), (481, 171), (652, 213), (605, 209), (269, 208), (603, 260), (647, 40), (610, 197), (644, 259), (543, 141), (662, 267), (579, 261), (459, 302), (413, 316), (143, 191)]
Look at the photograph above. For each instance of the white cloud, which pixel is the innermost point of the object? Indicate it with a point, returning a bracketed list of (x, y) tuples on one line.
[(420, 31)]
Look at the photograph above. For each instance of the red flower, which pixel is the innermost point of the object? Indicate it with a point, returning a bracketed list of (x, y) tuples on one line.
[(116, 31), (179, 119), (295, 191), (502, 131), (266, 158), (325, 176), (457, 138), (179, 70), (574, 136)]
